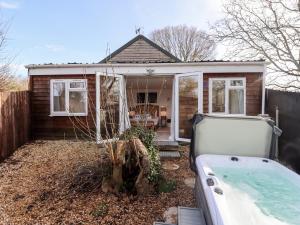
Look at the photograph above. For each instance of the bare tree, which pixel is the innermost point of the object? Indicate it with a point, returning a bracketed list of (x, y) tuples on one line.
[(268, 29), (6, 78), (186, 43)]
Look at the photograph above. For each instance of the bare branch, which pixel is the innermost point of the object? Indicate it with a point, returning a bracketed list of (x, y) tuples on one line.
[(186, 43), (269, 29)]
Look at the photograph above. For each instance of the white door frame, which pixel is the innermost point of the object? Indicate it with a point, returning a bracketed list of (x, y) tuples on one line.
[(98, 104), (200, 100)]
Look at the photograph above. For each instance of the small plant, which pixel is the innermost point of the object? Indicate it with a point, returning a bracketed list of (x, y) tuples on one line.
[(166, 186), (155, 166), (145, 135), (100, 211)]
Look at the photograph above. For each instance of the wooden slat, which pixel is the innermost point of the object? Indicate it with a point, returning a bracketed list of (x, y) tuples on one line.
[(14, 121), (140, 51)]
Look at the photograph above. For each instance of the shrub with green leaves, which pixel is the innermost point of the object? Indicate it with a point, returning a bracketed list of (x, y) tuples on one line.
[(155, 167), (145, 135)]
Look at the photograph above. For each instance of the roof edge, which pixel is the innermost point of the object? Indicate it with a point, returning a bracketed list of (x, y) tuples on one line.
[(140, 36), (200, 63)]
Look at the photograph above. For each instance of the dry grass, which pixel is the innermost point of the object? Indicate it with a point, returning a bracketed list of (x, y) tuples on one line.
[(37, 187)]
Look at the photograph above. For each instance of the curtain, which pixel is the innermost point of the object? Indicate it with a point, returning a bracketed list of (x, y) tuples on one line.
[(125, 108), (241, 101), (236, 101)]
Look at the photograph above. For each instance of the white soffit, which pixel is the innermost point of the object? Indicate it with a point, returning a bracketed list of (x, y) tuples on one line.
[(141, 69)]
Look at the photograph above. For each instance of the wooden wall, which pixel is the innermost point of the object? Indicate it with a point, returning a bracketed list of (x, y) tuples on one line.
[(253, 90), (45, 126), (14, 121)]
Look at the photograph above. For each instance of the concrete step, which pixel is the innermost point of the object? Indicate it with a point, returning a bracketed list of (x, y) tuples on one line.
[(167, 145), (169, 154), (162, 223), (168, 148), (190, 216)]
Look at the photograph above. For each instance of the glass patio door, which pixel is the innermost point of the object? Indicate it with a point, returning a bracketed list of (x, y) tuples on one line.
[(110, 106), (188, 101)]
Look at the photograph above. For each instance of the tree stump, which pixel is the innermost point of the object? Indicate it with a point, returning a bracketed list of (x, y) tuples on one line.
[(130, 163)]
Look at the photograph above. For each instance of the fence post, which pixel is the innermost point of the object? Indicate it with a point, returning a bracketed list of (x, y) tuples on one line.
[(277, 124), (14, 121)]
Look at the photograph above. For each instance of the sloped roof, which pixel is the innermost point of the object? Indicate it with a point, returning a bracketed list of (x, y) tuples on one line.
[(140, 50)]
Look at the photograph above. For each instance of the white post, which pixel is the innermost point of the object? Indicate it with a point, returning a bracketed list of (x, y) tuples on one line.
[(122, 109), (176, 107), (263, 91), (172, 128), (98, 132), (200, 93)]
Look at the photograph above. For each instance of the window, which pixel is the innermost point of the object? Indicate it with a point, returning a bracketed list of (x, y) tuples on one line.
[(141, 97), (227, 96), (68, 97), (150, 97)]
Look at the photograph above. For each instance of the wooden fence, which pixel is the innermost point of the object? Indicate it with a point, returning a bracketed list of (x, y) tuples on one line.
[(288, 104), (14, 121)]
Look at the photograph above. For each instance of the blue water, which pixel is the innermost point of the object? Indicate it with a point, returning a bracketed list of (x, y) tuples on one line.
[(273, 193)]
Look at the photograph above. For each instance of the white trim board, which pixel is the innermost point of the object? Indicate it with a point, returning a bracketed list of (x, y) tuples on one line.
[(141, 69), (263, 101), (199, 76), (211, 63), (99, 139)]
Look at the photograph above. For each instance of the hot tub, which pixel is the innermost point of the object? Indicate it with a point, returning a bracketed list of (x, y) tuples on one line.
[(235, 190)]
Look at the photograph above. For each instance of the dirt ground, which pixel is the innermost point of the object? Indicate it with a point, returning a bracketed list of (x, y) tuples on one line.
[(38, 186)]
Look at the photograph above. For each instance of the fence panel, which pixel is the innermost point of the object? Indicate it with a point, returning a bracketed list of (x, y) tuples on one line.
[(14, 121), (288, 104)]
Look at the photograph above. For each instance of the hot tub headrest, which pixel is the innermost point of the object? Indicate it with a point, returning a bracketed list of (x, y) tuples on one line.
[(242, 136)]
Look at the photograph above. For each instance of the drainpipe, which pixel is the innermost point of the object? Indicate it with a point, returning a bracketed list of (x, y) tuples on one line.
[(277, 124)]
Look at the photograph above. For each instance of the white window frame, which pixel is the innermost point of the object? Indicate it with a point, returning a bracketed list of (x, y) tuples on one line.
[(122, 95), (227, 88), (199, 76), (67, 83)]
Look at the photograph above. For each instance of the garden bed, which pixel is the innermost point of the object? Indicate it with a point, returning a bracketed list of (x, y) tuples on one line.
[(45, 182)]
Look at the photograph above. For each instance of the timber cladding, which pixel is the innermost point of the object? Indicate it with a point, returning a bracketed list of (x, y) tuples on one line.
[(46, 126), (140, 51), (14, 121), (253, 90)]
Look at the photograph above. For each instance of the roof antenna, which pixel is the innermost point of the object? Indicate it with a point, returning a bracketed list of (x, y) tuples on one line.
[(138, 30), (107, 49)]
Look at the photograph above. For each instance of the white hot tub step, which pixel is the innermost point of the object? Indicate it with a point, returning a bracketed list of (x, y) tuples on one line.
[(169, 154), (162, 223), (190, 216)]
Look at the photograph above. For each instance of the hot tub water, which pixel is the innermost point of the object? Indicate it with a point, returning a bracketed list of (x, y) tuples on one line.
[(268, 195)]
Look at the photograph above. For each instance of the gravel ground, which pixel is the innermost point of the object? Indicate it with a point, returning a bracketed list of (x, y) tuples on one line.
[(37, 187)]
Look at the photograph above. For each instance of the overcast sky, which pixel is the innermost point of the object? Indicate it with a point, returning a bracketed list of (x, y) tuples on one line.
[(62, 31)]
